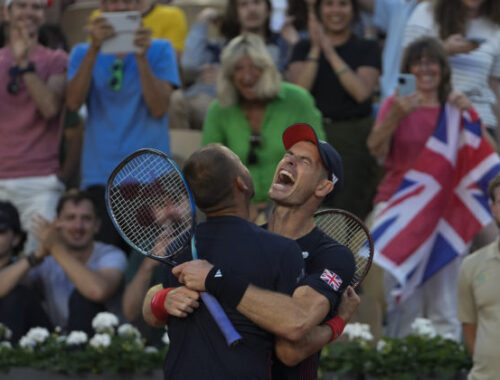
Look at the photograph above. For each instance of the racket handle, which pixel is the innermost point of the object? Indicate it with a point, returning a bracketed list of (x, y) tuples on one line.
[(226, 327)]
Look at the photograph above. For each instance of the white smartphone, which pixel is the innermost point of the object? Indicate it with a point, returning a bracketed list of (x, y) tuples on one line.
[(406, 84), (125, 24)]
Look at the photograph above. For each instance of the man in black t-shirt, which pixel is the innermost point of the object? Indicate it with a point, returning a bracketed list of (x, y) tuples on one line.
[(309, 172), (197, 348)]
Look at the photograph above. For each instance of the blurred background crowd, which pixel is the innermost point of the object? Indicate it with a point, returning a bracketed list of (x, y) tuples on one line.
[(235, 72)]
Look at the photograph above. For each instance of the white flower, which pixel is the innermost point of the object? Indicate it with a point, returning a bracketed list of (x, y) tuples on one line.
[(58, 329), (381, 345), (423, 327), (26, 343), (34, 336), (128, 330), (449, 336), (76, 337), (165, 338), (358, 331), (6, 345), (100, 340), (151, 350), (5, 332), (104, 322)]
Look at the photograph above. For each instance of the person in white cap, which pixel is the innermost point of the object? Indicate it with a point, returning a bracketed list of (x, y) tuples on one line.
[(32, 81)]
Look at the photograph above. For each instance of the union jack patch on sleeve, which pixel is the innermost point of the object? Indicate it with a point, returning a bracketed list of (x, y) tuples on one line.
[(332, 279)]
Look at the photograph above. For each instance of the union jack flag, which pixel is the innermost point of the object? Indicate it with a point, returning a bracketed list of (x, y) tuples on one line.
[(441, 204), (332, 279)]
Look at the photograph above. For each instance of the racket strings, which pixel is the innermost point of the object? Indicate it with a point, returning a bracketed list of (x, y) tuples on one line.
[(150, 204), (348, 232)]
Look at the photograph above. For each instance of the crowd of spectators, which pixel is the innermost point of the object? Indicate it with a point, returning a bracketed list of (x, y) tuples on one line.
[(66, 120)]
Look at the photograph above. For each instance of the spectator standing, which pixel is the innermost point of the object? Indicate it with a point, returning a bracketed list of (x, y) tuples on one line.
[(201, 57), (20, 307), (253, 109), (403, 126), (127, 99), (341, 71), (470, 31), (32, 81), (478, 301), (80, 276)]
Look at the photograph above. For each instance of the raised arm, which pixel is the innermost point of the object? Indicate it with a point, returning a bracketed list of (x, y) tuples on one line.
[(79, 85), (46, 95), (156, 92)]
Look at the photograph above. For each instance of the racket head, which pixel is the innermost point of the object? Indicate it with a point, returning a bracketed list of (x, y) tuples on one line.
[(151, 205), (348, 230)]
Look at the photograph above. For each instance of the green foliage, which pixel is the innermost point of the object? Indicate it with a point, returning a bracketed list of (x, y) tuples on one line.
[(124, 354), (409, 358)]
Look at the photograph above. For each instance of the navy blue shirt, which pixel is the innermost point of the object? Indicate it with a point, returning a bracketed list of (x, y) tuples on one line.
[(197, 347), (329, 269)]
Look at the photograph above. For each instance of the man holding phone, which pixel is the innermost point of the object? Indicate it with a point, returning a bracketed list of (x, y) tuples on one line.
[(127, 98)]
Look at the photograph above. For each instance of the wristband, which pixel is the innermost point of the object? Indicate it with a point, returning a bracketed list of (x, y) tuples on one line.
[(337, 325), (225, 287), (342, 71), (158, 304)]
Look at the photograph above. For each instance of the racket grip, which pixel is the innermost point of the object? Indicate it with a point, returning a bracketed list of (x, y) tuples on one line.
[(226, 327)]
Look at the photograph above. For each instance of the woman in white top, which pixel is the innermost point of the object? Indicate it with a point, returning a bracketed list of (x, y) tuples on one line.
[(470, 32)]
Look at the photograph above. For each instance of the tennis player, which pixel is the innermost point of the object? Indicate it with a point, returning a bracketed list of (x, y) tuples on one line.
[(197, 348), (309, 172)]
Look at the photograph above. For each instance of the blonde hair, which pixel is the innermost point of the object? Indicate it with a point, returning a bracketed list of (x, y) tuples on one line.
[(252, 45)]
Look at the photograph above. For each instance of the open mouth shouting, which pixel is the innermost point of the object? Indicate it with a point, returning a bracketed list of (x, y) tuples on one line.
[(284, 180)]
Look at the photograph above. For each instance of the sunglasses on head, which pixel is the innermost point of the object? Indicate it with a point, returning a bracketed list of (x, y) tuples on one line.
[(255, 141), (116, 75)]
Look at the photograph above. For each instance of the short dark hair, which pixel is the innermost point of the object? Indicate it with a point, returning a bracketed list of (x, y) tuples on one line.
[(231, 26), (433, 49), (210, 173), (76, 196), (494, 183)]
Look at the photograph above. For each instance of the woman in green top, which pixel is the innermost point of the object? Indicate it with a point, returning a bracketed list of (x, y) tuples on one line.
[(253, 109)]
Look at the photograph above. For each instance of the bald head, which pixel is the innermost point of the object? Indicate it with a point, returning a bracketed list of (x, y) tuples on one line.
[(211, 173)]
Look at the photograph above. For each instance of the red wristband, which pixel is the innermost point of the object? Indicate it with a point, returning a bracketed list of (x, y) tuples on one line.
[(337, 325), (158, 304)]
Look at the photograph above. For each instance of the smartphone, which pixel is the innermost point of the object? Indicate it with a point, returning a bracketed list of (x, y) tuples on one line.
[(125, 24), (406, 84), (476, 40)]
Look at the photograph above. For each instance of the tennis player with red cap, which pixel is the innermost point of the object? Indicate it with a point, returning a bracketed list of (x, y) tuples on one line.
[(310, 171)]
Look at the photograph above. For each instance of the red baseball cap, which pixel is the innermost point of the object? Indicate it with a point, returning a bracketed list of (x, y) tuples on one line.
[(329, 156)]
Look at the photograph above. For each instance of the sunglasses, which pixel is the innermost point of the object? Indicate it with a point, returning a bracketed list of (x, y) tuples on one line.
[(116, 75), (13, 84), (255, 142)]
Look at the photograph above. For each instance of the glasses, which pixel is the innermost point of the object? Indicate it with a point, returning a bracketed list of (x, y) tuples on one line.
[(13, 84), (255, 141), (116, 75)]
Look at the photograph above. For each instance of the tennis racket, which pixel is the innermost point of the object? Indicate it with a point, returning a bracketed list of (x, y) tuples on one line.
[(153, 209), (348, 230)]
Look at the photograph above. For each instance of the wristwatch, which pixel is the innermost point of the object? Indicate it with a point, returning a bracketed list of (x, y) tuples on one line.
[(34, 261)]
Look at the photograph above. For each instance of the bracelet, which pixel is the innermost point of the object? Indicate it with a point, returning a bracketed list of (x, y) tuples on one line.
[(33, 261), (157, 304), (337, 325), (312, 59), (225, 287), (342, 70)]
